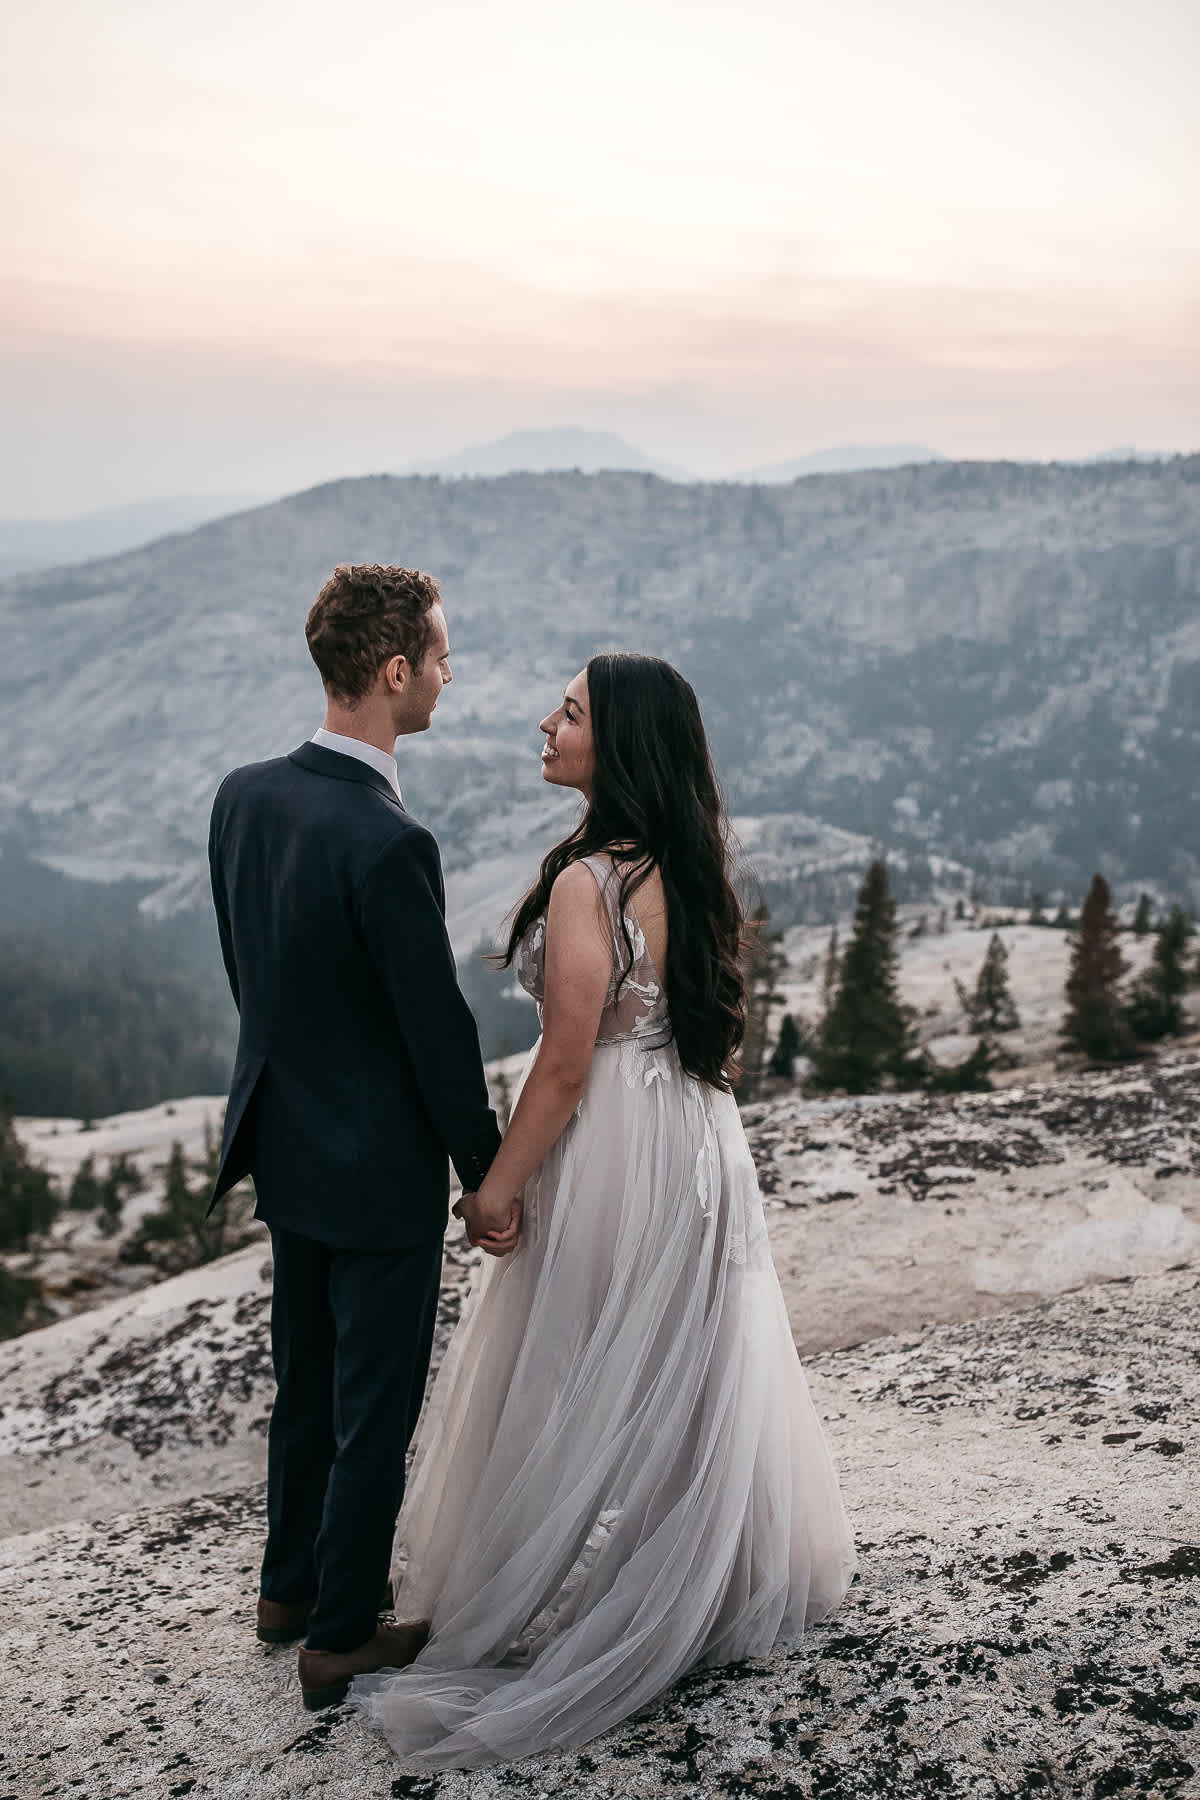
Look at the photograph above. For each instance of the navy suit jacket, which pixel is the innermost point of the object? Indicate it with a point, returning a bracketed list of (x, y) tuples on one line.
[(358, 1071)]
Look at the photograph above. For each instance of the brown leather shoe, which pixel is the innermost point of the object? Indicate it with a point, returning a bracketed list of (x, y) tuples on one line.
[(279, 1623), (325, 1675)]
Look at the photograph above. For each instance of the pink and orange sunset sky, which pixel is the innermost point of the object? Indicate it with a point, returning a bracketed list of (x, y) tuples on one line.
[(251, 246)]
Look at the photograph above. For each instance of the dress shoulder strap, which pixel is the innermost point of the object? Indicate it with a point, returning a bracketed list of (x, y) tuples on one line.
[(606, 880)]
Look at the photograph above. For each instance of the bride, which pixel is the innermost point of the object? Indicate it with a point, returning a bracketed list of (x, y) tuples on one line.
[(619, 1473)]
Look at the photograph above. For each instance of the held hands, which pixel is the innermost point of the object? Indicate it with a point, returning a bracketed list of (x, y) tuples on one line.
[(494, 1229)]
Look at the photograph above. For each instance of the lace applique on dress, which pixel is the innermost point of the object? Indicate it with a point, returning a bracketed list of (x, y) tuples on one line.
[(529, 964), (636, 1018), (749, 1244), (559, 1612), (697, 1102)]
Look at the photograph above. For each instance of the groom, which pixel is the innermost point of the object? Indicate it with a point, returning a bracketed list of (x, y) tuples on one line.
[(358, 1074)]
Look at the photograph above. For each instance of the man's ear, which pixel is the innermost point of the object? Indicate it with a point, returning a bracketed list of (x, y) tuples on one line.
[(396, 673)]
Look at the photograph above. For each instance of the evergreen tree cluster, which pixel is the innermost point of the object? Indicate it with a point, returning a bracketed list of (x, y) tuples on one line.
[(866, 1037), (1102, 1021), (104, 1195), (94, 1031), (182, 1232), (177, 1235)]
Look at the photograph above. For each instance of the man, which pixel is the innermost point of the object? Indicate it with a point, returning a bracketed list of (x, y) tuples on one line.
[(358, 1074)]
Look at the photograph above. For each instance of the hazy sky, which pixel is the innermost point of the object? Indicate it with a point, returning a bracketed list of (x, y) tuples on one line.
[(248, 246)]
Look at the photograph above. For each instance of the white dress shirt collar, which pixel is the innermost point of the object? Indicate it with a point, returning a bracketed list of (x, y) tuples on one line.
[(366, 753)]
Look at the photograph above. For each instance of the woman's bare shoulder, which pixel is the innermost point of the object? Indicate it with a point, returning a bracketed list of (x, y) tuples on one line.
[(575, 887)]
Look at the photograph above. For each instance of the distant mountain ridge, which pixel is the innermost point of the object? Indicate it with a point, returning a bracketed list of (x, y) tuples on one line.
[(540, 451), (997, 663), (46, 543), (843, 460)]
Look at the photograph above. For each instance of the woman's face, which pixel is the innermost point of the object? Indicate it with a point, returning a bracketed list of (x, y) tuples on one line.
[(568, 756)]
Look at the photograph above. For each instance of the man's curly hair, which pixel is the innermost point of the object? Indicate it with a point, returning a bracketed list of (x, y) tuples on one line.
[(365, 614)]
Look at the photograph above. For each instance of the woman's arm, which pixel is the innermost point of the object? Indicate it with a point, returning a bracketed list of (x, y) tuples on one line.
[(578, 971)]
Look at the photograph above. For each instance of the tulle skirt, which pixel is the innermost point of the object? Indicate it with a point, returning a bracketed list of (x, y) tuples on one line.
[(619, 1473)]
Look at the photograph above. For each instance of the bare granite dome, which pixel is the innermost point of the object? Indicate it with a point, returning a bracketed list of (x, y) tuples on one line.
[(1021, 1475)]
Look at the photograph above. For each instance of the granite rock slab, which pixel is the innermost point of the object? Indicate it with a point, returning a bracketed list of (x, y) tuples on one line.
[(1026, 1618), (1020, 1466)]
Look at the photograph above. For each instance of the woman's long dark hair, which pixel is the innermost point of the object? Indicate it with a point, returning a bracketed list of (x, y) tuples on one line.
[(655, 804)]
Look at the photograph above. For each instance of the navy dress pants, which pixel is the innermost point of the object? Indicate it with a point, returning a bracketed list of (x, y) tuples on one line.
[(351, 1335)]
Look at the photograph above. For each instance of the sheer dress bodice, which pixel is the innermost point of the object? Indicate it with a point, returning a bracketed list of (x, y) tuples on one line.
[(638, 1013)]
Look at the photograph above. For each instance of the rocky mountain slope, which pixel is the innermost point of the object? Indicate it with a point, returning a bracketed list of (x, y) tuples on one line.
[(993, 662), (1018, 1454)]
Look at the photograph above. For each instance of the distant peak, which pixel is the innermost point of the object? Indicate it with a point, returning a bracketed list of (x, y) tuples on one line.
[(541, 451)]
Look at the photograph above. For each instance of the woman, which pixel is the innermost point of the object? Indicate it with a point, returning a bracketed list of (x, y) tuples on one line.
[(619, 1473)]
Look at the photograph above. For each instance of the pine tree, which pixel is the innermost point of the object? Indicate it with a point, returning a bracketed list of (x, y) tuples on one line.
[(177, 1235), (762, 965), (109, 1209), (86, 1190), (124, 1174), (28, 1201), (866, 1033), (788, 1048), (1037, 909), (991, 1007), (122, 1180), (830, 973), (1142, 922), (182, 1232), (21, 1304), (1095, 1021), (177, 1205), (1155, 1008)]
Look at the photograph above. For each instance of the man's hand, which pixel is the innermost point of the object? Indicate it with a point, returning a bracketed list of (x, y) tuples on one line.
[(488, 1229)]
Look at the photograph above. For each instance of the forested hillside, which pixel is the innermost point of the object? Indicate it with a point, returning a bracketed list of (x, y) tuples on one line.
[(102, 1009)]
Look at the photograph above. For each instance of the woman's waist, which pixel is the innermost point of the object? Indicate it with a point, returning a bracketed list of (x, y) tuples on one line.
[(659, 1037)]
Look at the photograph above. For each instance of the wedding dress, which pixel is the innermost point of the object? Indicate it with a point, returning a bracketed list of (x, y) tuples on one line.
[(619, 1473)]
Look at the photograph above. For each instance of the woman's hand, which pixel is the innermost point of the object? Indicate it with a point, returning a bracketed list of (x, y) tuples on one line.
[(494, 1228)]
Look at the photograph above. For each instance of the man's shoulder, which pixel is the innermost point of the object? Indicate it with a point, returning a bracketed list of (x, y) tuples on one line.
[(398, 837), (370, 825), (249, 776)]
